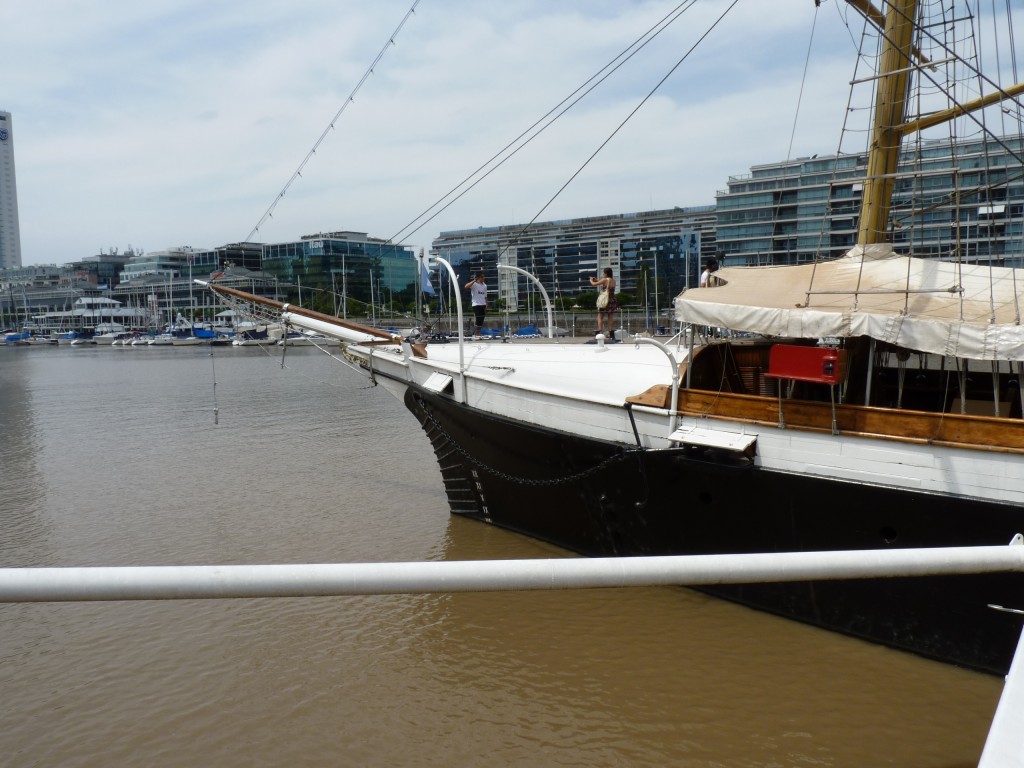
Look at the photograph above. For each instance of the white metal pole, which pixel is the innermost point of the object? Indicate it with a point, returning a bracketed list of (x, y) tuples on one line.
[(458, 306), (305, 580), (1004, 746), (657, 300)]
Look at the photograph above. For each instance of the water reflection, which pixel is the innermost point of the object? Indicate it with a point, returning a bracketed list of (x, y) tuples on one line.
[(22, 487), (307, 466), (648, 676)]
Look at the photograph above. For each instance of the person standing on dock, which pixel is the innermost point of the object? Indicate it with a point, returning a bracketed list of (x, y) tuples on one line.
[(478, 293)]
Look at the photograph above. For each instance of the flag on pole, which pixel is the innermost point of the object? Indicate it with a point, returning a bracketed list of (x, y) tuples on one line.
[(425, 285)]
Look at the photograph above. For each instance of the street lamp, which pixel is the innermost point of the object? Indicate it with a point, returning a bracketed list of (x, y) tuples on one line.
[(657, 313)]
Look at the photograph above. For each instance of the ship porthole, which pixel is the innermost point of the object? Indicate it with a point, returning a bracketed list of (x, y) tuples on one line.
[(888, 534)]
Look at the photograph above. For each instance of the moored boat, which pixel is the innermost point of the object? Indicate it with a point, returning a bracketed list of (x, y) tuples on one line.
[(253, 335), (185, 341), (106, 334), (300, 339)]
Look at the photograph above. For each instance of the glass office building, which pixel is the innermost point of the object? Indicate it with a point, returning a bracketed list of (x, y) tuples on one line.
[(247, 256), (787, 213), (653, 254), (327, 267)]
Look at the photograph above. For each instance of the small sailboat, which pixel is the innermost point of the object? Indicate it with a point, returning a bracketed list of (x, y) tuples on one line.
[(307, 339), (185, 340), (251, 334)]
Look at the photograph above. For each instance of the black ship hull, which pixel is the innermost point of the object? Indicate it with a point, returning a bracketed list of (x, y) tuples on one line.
[(602, 499)]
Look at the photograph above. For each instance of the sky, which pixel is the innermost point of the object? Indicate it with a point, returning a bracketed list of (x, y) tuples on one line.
[(180, 122)]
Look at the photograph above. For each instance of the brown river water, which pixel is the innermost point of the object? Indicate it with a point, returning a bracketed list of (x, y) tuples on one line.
[(112, 456)]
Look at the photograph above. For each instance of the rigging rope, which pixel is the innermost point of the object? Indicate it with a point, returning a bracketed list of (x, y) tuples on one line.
[(515, 239), (568, 102), (330, 126), (803, 82)]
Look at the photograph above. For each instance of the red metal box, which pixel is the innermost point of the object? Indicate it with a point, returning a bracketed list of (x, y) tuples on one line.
[(823, 365)]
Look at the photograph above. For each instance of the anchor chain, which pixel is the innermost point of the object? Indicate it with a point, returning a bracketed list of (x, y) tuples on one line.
[(624, 454)]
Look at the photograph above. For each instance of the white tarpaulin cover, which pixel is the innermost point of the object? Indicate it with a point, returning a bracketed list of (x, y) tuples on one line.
[(969, 311)]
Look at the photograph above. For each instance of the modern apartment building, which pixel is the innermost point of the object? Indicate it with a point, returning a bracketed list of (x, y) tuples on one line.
[(653, 254), (792, 212), (10, 235)]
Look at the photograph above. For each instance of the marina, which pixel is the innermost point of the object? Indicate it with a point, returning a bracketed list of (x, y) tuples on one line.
[(644, 676)]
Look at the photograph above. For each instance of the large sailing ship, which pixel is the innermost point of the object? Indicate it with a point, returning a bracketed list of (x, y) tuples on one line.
[(868, 402)]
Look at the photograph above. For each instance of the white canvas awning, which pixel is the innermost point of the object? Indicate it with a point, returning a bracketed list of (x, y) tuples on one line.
[(969, 311)]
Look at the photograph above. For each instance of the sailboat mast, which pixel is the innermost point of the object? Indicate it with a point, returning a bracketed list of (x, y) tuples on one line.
[(889, 115), (419, 288)]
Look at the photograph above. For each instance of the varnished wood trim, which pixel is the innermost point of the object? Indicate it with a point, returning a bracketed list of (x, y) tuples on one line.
[(658, 396), (294, 308), (985, 433)]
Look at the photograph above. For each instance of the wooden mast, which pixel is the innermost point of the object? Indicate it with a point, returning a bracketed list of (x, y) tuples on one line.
[(889, 118), (899, 57)]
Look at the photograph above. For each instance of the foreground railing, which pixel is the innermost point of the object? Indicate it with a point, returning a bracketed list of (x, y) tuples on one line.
[(190, 582), (1005, 744)]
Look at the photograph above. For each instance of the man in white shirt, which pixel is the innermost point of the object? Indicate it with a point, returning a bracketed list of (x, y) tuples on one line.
[(478, 293), (705, 277)]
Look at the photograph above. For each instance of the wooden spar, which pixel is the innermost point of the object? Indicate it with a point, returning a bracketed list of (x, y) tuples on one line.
[(890, 124), (313, 315), (890, 106), (963, 109), (240, 294)]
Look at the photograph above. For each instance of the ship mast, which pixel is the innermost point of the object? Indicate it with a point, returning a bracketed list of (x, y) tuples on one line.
[(899, 57), (886, 129)]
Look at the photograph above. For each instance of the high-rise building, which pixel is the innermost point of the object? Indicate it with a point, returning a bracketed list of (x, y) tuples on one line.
[(801, 210), (10, 235), (653, 254)]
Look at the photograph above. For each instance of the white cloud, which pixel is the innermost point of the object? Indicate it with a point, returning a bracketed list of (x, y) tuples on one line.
[(166, 123)]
